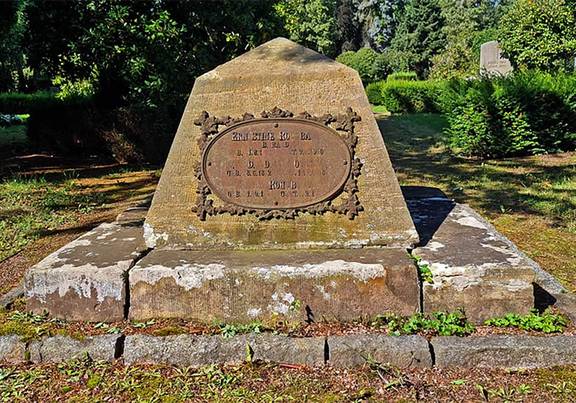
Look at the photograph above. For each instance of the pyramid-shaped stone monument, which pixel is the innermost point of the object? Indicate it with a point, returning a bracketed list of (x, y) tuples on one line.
[(335, 188)]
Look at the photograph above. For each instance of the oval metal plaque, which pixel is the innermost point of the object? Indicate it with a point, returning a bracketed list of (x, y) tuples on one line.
[(276, 164)]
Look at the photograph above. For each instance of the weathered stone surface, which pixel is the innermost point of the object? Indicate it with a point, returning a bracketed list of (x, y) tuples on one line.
[(491, 60), (190, 350), (12, 350), (293, 350), (6, 300), (63, 348), (473, 266), (241, 286), (280, 74), (402, 351), (504, 351), (84, 280)]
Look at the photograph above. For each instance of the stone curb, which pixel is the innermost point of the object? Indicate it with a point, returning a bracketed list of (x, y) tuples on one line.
[(496, 351), (12, 350), (502, 351), (64, 348)]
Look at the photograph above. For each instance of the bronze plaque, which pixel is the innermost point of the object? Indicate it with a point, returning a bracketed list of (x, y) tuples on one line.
[(276, 163)]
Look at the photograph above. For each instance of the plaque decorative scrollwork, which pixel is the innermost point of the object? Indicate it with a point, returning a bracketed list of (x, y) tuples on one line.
[(344, 201)]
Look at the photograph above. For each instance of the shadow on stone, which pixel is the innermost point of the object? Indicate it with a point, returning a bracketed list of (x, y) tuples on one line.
[(428, 208), (542, 298)]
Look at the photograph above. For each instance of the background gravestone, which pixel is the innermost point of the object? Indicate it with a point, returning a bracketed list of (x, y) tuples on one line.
[(491, 60)]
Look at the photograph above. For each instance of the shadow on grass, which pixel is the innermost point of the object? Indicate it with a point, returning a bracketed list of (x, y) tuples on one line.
[(544, 186)]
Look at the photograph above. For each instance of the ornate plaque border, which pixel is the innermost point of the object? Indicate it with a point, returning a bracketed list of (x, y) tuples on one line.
[(342, 123)]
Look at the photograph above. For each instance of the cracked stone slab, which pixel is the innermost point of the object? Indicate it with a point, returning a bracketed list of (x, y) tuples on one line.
[(64, 348), (84, 280), (473, 266), (190, 350), (242, 286), (499, 351), (12, 350), (401, 351)]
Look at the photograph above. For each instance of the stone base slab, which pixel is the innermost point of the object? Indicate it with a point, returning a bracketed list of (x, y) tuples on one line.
[(242, 286), (85, 279), (473, 266)]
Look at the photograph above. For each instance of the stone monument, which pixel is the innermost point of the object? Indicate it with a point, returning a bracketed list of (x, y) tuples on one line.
[(278, 201), (277, 189), (491, 60)]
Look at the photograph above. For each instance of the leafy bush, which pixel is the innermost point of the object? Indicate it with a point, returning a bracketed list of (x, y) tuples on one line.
[(524, 113), (409, 96), (373, 91), (369, 64), (546, 322), (15, 102), (402, 76)]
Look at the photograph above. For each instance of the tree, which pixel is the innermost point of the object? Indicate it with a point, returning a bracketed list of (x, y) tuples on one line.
[(311, 23), (146, 52), (464, 23), (379, 20), (419, 35), (12, 27), (539, 34)]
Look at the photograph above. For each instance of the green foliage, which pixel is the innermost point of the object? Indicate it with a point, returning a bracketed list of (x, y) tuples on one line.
[(539, 34), (374, 94), (464, 22), (403, 76), (525, 113), (15, 102), (230, 330), (546, 322), (311, 23), (400, 96), (77, 89), (419, 35), (437, 323), (423, 269), (367, 63)]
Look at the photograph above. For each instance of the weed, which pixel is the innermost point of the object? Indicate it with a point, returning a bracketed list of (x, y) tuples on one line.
[(143, 325), (230, 330), (438, 323), (546, 322), (423, 269)]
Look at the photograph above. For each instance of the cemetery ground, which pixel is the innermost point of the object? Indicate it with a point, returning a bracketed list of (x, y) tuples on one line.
[(531, 200)]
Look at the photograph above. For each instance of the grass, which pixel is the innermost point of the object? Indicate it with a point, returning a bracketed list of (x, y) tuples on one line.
[(86, 380), (531, 200), (39, 213)]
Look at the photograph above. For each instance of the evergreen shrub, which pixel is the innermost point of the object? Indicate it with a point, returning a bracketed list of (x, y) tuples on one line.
[(524, 113)]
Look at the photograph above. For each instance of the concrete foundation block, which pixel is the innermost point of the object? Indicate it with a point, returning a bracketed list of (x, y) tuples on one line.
[(196, 351), (85, 279), (242, 286)]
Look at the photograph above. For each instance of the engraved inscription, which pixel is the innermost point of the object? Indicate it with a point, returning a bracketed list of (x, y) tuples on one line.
[(276, 163), (278, 166)]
